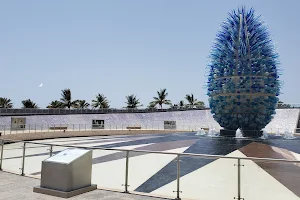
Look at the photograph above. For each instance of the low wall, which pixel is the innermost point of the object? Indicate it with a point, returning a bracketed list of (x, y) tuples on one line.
[(185, 120), (50, 135)]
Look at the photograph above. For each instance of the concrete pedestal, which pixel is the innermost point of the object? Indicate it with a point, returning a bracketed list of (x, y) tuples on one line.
[(62, 194), (67, 174), (227, 133), (251, 133)]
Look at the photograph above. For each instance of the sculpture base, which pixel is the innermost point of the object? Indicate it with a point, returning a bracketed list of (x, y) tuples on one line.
[(62, 194), (227, 133), (250, 133), (253, 133)]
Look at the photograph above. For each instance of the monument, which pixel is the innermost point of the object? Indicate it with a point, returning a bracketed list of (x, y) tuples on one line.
[(67, 174), (243, 75)]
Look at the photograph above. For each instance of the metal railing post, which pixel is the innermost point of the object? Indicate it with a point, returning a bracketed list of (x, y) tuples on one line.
[(1, 155), (239, 180), (23, 159), (178, 179), (51, 150), (126, 172)]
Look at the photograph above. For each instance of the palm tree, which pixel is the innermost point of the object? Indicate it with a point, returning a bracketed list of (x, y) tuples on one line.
[(100, 102), (132, 101), (161, 99), (66, 99), (280, 104), (178, 105), (55, 104), (181, 103), (194, 102), (29, 104), (174, 106), (82, 104), (5, 103), (151, 105)]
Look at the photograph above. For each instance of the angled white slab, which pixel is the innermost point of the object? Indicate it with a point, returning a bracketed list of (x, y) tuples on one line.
[(218, 180), (297, 156), (144, 167), (112, 174)]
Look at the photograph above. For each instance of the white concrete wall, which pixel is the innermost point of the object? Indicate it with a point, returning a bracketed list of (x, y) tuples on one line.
[(284, 118)]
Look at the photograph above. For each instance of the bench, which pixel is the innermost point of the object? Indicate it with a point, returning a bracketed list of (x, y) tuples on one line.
[(58, 127), (133, 127)]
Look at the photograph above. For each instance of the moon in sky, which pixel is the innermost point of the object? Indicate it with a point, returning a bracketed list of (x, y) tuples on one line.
[(41, 85)]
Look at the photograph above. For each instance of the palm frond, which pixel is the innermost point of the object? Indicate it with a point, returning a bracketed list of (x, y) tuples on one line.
[(181, 103), (161, 98), (5, 103), (55, 104), (81, 104), (66, 98), (29, 104), (100, 102), (132, 101)]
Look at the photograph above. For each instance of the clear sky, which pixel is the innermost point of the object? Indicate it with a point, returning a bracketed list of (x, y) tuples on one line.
[(119, 47)]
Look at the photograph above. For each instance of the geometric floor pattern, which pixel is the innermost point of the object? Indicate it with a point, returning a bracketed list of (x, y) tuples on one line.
[(200, 178)]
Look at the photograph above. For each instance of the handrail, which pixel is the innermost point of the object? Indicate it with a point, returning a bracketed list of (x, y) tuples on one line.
[(160, 152), (126, 180), (64, 111)]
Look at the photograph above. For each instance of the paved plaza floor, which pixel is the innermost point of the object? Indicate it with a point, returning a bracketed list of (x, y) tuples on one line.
[(156, 174), (16, 187)]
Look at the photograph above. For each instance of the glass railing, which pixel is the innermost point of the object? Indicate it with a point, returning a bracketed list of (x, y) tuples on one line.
[(168, 174), (44, 128), (58, 111), (158, 126)]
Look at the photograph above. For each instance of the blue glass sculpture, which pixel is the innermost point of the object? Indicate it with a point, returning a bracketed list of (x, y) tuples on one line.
[(243, 77)]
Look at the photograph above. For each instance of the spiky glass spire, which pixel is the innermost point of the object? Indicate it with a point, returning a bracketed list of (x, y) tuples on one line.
[(243, 79)]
